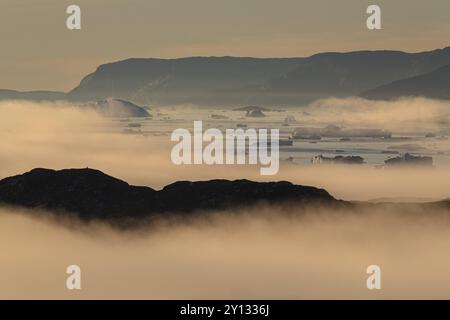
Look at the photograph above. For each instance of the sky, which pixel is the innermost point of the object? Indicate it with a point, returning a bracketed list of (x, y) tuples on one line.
[(37, 51)]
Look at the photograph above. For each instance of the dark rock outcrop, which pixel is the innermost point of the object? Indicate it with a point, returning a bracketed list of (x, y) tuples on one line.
[(255, 114), (332, 131), (84, 191), (185, 195), (251, 108), (409, 160), (117, 108), (94, 195)]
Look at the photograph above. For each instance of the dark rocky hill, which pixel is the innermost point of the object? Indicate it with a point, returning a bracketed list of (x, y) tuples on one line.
[(94, 195), (118, 108)]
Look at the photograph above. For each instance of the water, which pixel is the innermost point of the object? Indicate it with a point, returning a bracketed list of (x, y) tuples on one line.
[(374, 150)]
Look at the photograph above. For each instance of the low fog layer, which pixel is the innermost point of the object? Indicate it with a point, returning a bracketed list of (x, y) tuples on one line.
[(63, 136), (403, 115), (257, 254), (261, 253)]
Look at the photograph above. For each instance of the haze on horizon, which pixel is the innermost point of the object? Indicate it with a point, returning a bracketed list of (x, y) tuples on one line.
[(38, 52)]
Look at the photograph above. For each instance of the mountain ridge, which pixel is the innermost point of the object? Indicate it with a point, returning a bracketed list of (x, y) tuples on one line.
[(435, 84), (8, 94)]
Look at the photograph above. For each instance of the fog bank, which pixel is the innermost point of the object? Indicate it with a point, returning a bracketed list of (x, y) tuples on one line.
[(258, 254)]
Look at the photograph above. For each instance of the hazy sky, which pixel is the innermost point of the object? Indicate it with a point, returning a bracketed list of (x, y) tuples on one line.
[(38, 52)]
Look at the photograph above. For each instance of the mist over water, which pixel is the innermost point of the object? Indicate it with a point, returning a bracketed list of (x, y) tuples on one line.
[(254, 253), (403, 115), (258, 254), (56, 135)]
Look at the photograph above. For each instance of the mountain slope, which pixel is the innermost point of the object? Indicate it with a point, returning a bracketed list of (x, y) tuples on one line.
[(435, 84), (344, 74)]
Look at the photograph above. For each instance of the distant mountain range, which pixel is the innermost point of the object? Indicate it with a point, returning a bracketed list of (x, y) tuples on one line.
[(6, 94), (240, 81)]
